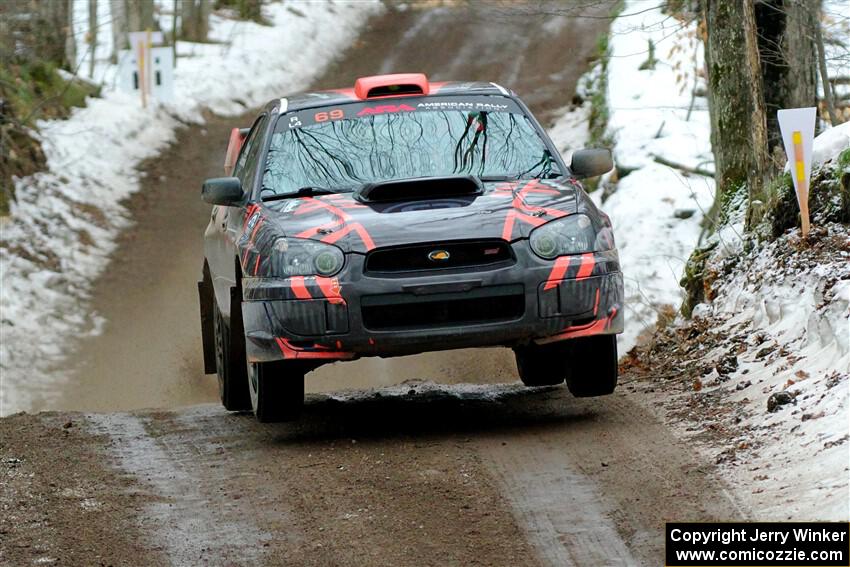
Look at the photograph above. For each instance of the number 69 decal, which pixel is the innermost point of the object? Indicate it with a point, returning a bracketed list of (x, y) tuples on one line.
[(335, 114)]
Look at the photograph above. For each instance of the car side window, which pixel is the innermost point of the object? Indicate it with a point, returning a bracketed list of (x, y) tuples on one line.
[(247, 175), (246, 148)]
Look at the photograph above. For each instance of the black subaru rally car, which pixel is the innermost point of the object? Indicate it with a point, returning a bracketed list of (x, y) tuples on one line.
[(398, 217)]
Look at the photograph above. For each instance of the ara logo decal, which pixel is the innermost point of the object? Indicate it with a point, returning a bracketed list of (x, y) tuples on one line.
[(385, 108), (294, 122)]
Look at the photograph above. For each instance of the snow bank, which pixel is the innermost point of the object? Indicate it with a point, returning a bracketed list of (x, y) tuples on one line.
[(781, 308), (62, 227), (792, 305), (830, 143), (791, 300), (652, 114)]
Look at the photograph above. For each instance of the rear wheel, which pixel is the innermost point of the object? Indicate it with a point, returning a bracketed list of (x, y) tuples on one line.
[(542, 365), (230, 363), (594, 366), (276, 390)]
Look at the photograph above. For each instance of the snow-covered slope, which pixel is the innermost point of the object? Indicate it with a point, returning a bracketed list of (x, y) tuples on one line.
[(63, 224), (776, 327), (652, 114)]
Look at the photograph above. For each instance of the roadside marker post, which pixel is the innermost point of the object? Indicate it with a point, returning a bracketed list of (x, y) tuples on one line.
[(797, 126), (147, 68)]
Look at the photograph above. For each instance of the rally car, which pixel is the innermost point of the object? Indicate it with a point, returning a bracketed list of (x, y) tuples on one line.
[(397, 217)]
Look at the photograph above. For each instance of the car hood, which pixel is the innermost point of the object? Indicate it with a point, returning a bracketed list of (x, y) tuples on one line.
[(507, 210)]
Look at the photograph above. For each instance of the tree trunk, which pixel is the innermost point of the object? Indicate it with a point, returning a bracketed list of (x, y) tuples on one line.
[(194, 20), (757, 173), (824, 75), (37, 32), (119, 27), (139, 15), (174, 7), (92, 39), (738, 131), (786, 31), (70, 40)]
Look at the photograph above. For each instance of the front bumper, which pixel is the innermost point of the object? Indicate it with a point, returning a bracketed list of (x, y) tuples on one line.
[(355, 315)]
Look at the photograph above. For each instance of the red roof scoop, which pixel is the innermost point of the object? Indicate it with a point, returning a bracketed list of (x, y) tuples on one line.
[(401, 84)]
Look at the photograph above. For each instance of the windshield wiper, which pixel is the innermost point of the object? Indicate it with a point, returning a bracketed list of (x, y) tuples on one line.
[(519, 177), (302, 192), (549, 175)]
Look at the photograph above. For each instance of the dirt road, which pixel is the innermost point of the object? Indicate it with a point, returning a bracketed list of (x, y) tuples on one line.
[(429, 472)]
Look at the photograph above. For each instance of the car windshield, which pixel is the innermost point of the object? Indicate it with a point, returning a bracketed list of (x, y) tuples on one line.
[(341, 149)]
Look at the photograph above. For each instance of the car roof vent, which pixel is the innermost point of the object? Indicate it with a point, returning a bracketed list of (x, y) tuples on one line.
[(380, 86)]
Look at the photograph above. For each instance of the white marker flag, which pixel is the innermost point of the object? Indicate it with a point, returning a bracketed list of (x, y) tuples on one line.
[(798, 133)]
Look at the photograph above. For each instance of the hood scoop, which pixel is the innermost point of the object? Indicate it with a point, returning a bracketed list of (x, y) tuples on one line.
[(419, 189)]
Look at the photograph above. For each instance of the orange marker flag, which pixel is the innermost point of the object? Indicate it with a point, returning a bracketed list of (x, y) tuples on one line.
[(798, 133)]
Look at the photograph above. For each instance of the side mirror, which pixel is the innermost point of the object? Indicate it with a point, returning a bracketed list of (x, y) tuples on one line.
[(223, 191), (590, 163)]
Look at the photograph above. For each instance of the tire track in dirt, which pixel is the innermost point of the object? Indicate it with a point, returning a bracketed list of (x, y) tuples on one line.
[(224, 489)]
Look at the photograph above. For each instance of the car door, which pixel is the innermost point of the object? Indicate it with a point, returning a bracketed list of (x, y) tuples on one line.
[(226, 223)]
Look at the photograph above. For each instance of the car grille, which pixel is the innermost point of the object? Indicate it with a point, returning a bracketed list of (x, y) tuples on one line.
[(408, 311), (462, 254)]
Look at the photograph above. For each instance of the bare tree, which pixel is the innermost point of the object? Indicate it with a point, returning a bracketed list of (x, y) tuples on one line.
[(70, 41), (92, 35), (824, 75), (786, 33), (119, 27), (194, 19), (737, 113), (139, 15)]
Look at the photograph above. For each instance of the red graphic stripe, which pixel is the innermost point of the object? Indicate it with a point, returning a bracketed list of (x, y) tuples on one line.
[(343, 223), (288, 351), (330, 289), (248, 214), (298, 287), (586, 268), (353, 227), (508, 231), (558, 272)]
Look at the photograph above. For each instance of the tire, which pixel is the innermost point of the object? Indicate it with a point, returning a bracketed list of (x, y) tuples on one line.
[(594, 366), (276, 390), (542, 365), (230, 362)]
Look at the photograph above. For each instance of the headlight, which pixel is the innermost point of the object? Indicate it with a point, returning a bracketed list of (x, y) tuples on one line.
[(302, 257), (571, 235)]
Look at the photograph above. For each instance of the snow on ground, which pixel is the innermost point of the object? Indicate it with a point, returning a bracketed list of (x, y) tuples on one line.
[(793, 307), (652, 114), (61, 230), (783, 310), (780, 312)]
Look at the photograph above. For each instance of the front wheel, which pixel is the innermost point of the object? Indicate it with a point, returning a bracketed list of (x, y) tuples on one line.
[(543, 365), (276, 390), (594, 366)]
